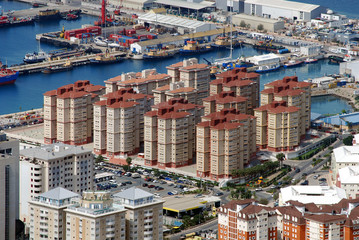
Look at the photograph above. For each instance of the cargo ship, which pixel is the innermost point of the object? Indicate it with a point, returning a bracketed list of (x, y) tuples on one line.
[(194, 47), (8, 76), (35, 57), (48, 14)]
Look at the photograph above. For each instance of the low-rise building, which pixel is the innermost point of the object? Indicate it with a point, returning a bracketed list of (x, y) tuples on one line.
[(47, 216), (348, 179), (96, 217), (51, 166), (271, 25), (170, 133), (68, 113), (224, 142), (119, 122), (342, 157), (319, 195), (144, 214)]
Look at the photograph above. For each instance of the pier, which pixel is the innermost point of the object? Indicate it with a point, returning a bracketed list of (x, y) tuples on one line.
[(76, 61)]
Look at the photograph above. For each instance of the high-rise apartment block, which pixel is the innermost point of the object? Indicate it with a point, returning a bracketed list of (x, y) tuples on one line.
[(223, 100), (224, 143), (170, 133), (143, 82), (192, 74), (119, 122), (47, 216), (240, 82), (50, 166), (284, 114), (176, 90), (9, 186), (96, 216), (68, 113), (144, 214), (249, 220)]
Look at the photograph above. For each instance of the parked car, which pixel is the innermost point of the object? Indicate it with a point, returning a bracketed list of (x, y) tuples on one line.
[(170, 193), (144, 185), (297, 170), (322, 179), (305, 183), (151, 186), (219, 194)]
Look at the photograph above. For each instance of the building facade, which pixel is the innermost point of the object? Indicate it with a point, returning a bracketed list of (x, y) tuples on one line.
[(9, 186), (144, 214), (47, 216), (224, 142), (119, 122), (68, 113), (176, 90), (170, 133), (57, 165)]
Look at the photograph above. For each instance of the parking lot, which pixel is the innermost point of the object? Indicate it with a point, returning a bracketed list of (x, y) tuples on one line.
[(161, 185)]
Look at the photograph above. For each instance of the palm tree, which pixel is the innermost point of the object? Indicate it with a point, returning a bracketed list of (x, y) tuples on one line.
[(128, 161), (280, 157)]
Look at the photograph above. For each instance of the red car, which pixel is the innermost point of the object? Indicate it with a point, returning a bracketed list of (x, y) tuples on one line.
[(151, 186)]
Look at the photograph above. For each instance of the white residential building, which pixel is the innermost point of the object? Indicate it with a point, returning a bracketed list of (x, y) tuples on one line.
[(348, 179), (344, 156), (144, 214), (9, 186), (318, 195), (56, 165)]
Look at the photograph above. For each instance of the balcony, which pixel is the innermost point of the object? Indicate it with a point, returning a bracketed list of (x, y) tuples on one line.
[(148, 214), (148, 220), (110, 235), (110, 229), (109, 223), (148, 226), (148, 238)]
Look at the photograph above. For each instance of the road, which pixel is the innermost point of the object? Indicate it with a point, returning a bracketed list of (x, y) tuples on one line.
[(211, 225)]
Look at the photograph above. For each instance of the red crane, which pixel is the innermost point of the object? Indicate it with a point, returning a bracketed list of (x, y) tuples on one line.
[(118, 10), (103, 19)]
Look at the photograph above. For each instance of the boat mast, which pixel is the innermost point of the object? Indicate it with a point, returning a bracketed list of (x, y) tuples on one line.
[(230, 22)]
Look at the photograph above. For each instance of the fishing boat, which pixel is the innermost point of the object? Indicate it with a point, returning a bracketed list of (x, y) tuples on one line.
[(293, 63), (48, 14), (101, 41), (35, 57), (268, 68), (105, 58), (158, 54), (310, 60), (194, 47), (60, 68), (8, 76), (335, 59)]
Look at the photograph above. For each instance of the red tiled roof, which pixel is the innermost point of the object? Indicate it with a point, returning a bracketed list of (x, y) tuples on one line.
[(123, 104), (144, 80), (290, 92), (163, 88), (325, 218), (175, 65), (195, 66), (51, 93), (174, 115), (227, 125), (151, 113), (93, 88), (184, 89), (101, 103), (238, 83), (72, 95), (277, 107)]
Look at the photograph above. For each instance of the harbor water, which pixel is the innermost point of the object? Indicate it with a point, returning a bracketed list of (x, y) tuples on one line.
[(27, 92)]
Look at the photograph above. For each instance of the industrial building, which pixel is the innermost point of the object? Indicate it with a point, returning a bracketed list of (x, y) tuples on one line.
[(182, 25), (271, 25), (231, 6), (283, 9), (350, 68), (189, 7)]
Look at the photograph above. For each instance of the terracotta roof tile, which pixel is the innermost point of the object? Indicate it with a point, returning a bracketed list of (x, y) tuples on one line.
[(163, 88), (51, 93), (123, 104), (195, 66), (73, 95), (174, 115), (144, 80), (184, 89), (101, 103)]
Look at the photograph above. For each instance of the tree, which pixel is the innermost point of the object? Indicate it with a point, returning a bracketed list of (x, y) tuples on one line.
[(128, 161), (280, 157), (99, 159), (242, 24), (348, 140), (263, 201), (260, 27)]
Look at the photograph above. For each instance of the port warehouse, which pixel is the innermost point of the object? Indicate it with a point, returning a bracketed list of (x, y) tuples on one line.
[(271, 25), (283, 9), (182, 25), (208, 36), (134, 4)]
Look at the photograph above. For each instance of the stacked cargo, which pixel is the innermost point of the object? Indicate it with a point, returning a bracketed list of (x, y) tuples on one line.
[(78, 32)]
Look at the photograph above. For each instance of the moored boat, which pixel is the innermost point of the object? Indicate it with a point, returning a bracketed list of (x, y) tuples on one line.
[(60, 68), (48, 14), (335, 59), (194, 47), (35, 57), (105, 59), (101, 41), (8, 76), (158, 54), (311, 60), (225, 42), (293, 63), (268, 68)]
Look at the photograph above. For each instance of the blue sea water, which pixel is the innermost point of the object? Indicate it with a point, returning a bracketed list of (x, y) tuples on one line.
[(27, 92)]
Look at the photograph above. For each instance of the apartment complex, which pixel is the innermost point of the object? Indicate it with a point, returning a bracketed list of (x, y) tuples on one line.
[(225, 100), (348, 180), (119, 122), (68, 113), (143, 82), (96, 216), (144, 214), (248, 220), (224, 142), (342, 157), (170, 133), (9, 186), (50, 166), (240, 82), (47, 216), (176, 90), (192, 74), (284, 115)]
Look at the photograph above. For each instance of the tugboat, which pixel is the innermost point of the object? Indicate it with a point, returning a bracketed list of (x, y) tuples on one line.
[(293, 63), (105, 59), (193, 47), (61, 68), (48, 14), (225, 42), (157, 54), (35, 57)]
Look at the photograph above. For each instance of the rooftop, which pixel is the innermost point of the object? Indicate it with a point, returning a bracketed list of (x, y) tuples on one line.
[(349, 175), (133, 193), (59, 193), (346, 154), (296, 6), (184, 4), (186, 203), (343, 119)]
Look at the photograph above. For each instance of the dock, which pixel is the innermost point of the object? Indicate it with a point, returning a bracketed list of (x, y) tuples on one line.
[(32, 12), (76, 61)]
